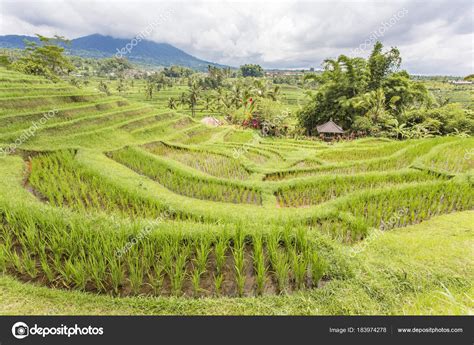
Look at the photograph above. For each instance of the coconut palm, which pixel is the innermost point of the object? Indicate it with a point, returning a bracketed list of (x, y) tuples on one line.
[(193, 95), (372, 102), (260, 87), (222, 99), (274, 93), (235, 95), (209, 102), (172, 103), (149, 87), (182, 99)]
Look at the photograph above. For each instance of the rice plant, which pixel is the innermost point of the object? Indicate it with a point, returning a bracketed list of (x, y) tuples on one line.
[(454, 158), (60, 180), (321, 189), (238, 251), (411, 203), (259, 263), (211, 163), (202, 251), (159, 263), (402, 158), (96, 248), (185, 183), (318, 266)]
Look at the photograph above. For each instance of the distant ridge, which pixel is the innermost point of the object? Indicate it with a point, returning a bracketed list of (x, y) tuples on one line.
[(100, 46)]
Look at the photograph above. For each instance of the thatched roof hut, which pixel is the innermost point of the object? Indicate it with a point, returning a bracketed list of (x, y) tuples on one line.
[(329, 128)]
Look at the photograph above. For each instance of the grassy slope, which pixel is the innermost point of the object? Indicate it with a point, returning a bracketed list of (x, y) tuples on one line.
[(428, 267), (422, 269)]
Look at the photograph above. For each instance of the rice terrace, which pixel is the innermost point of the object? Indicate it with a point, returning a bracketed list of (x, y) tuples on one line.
[(128, 189)]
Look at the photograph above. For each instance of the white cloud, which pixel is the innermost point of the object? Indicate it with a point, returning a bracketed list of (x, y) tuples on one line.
[(435, 37)]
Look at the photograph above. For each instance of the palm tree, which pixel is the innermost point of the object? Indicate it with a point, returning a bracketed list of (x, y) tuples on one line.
[(377, 104), (373, 103), (103, 87), (260, 87), (193, 96), (222, 99), (172, 103), (182, 99), (149, 90), (274, 93), (246, 95), (235, 95), (209, 102)]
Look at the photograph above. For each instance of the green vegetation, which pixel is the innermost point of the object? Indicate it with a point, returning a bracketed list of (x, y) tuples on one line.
[(62, 181), (46, 59), (452, 158), (325, 188), (372, 96), (183, 182), (211, 163), (123, 203), (420, 270), (158, 264), (251, 70)]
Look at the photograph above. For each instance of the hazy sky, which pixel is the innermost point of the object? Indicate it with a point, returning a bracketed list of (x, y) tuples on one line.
[(434, 37)]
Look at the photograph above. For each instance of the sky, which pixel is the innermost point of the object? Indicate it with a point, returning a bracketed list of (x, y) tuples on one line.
[(434, 37)]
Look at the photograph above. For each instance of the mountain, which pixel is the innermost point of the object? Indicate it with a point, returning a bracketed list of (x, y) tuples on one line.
[(99, 46)]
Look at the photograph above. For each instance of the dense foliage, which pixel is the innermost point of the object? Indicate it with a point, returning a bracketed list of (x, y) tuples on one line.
[(251, 70), (45, 59), (374, 97)]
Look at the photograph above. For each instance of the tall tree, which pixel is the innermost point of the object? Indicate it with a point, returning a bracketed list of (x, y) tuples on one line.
[(194, 92), (382, 64), (370, 91), (46, 58), (251, 70), (149, 87), (214, 79), (121, 86)]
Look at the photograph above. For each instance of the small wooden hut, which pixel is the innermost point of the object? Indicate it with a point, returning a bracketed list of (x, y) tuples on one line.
[(329, 130)]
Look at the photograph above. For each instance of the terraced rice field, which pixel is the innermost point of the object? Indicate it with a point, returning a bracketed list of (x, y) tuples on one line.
[(114, 197)]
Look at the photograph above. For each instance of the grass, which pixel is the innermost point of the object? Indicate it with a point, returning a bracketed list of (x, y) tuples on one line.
[(43, 247), (408, 271), (217, 165), (61, 181), (184, 183), (321, 189), (118, 205), (401, 159), (453, 158)]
